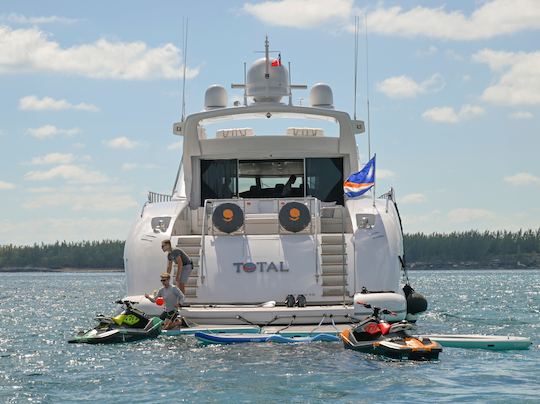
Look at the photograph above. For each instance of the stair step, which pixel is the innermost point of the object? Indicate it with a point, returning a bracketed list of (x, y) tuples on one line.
[(192, 282), (188, 240), (334, 291), (333, 249), (333, 259), (332, 238), (333, 269), (190, 250), (333, 281)]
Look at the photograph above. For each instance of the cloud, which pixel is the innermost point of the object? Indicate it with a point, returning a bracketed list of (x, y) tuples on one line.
[(175, 146), (300, 13), (52, 229), (134, 166), (68, 172), (129, 166), (49, 131), (383, 173), (22, 19), (121, 142), (519, 81), (490, 19), (31, 50), (521, 115), (465, 215), (449, 115), (6, 185), (405, 87), (413, 198), (33, 103), (54, 158), (522, 179), (78, 201)]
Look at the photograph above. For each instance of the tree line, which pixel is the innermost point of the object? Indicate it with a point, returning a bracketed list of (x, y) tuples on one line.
[(83, 254), (491, 249)]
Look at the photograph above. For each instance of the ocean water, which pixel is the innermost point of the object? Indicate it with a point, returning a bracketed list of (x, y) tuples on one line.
[(39, 312)]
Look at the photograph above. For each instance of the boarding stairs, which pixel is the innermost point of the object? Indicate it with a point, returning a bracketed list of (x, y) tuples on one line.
[(334, 265), (191, 245)]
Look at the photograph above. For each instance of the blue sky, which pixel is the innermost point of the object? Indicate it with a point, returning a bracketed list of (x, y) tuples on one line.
[(89, 92)]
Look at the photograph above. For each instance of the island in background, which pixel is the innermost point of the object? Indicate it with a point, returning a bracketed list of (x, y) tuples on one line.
[(457, 250)]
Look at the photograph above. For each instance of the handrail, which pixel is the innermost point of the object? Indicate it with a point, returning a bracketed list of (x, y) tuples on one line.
[(343, 252), (203, 243), (154, 197)]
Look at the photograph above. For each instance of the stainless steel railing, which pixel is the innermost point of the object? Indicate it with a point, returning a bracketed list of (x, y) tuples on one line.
[(154, 197)]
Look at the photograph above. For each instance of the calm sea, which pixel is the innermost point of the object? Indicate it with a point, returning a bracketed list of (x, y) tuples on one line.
[(39, 312)]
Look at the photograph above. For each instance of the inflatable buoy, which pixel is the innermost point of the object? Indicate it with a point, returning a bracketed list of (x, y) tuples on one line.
[(228, 217), (294, 216)]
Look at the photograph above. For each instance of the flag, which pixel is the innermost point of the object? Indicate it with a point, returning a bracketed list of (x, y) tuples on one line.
[(360, 182), (277, 62)]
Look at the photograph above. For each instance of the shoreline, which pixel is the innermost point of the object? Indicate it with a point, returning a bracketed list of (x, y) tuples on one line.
[(60, 270), (120, 270)]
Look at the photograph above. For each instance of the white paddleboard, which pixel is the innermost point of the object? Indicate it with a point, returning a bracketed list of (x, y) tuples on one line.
[(494, 342)]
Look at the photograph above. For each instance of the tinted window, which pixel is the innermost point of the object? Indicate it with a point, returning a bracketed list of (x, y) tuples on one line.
[(324, 179), (218, 179)]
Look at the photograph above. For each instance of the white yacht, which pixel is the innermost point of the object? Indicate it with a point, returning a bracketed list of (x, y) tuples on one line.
[(258, 205)]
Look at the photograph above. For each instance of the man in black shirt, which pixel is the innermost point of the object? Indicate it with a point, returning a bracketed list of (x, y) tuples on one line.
[(180, 258)]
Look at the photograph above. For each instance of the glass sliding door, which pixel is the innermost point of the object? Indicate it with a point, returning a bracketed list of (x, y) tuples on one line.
[(324, 179), (271, 178)]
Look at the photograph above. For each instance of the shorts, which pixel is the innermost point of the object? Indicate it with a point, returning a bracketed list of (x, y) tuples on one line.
[(186, 270), (169, 315)]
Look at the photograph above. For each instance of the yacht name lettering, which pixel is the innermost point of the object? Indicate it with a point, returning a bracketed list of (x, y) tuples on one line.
[(262, 266)]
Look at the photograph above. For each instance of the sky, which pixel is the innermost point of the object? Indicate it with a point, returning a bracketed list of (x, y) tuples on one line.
[(89, 92)]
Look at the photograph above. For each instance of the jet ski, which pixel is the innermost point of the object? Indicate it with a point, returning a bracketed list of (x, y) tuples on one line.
[(376, 336), (130, 325)]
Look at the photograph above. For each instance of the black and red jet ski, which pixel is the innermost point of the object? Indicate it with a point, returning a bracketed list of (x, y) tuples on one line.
[(130, 325), (376, 336)]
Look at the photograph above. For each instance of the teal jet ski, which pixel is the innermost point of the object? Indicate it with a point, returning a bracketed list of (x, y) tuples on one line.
[(130, 325)]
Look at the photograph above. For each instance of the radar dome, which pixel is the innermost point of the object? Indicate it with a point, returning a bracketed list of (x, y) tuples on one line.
[(321, 96), (215, 97), (267, 89)]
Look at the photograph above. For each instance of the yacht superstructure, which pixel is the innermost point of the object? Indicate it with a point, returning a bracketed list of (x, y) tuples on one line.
[(260, 210)]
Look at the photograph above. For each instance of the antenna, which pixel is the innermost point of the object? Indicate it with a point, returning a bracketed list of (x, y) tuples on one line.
[(356, 22), (367, 100), (367, 88), (290, 90), (185, 42), (245, 85), (267, 56)]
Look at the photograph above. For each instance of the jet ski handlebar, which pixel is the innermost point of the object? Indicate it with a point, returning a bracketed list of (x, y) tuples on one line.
[(377, 310)]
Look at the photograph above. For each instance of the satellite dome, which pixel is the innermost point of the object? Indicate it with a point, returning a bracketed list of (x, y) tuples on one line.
[(321, 96), (267, 89), (215, 97)]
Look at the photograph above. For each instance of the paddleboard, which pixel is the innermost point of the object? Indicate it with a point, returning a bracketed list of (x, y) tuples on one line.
[(494, 342), (225, 339), (213, 329)]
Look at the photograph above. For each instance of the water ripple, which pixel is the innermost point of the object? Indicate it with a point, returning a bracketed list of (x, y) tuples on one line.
[(44, 310)]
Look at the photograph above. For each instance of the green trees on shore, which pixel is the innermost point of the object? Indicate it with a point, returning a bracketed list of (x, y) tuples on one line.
[(487, 249), (491, 249), (84, 254)]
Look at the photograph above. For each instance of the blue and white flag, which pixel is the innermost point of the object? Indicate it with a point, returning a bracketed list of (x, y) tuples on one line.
[(360, 182)]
